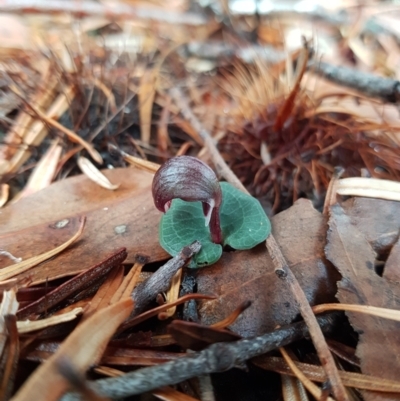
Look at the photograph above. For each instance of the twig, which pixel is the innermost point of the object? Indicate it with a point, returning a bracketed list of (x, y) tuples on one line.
[(88, 8), (284, 272), (145, 292), (216, 358), (281, 267), (370, 85), (216, 157)]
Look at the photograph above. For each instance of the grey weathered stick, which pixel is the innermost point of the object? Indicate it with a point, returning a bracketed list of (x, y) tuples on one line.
[(160, 281), (284, 272), (216, 358), (216, 157), (368, 84)]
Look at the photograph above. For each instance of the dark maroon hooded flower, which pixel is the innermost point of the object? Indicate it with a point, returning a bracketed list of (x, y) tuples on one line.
[(189, 179)]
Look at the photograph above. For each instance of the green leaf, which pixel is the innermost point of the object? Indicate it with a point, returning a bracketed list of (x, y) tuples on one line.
[(181, 225), (243, 223)]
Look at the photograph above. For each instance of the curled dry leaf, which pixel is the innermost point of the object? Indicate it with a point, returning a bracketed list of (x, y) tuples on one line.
[(94, 174), (369, 187), (390, 314), (82, 348)]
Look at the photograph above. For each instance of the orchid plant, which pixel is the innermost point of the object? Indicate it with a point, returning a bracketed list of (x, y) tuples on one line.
[(198, 207)]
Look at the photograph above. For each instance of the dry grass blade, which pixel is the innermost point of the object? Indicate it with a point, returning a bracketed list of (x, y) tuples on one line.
[(28, 326), (9, 363), (19, 131), (307, 383), (107, 93), (4, 193), (128, 284), (9, 306), (140, 163), (155, 311), (369, 187), (232, 317), (94, 174), (146, 94), (172, 295), (316, 373), (170, 394), (330, 197), (70, 134), (106, 292), (293, 389), (43, 174), (11, 271), (391, 314), (83, 348), (38, 130)]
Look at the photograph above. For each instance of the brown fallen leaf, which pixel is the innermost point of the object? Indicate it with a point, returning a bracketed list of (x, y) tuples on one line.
[(391, 270), (21, 267), (82, 348), (350, 251), (378, 220), (122, 218), (72, 196), (249, 275)]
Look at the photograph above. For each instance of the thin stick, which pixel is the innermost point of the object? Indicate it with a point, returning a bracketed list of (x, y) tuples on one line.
[(216, 157), (368, 84), (283, 272), (307, 383), (145, 292), (216, 358)]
